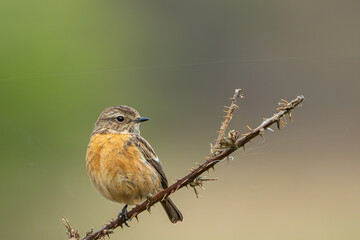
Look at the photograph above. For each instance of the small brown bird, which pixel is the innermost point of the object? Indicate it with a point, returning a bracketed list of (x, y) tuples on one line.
[(122, 165)]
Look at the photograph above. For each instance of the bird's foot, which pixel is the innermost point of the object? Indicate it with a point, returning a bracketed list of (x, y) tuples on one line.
[(123, 215)]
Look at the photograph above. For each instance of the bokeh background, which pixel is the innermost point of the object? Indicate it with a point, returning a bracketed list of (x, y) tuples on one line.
[(178, 62)]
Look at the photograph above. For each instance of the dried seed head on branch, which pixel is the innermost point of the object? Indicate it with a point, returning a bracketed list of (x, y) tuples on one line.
[(223, 147)]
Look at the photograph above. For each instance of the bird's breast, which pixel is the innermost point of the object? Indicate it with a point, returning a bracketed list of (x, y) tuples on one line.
[(118, 170)]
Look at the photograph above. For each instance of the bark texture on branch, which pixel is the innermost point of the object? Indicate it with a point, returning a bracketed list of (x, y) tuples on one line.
[(224, 146)]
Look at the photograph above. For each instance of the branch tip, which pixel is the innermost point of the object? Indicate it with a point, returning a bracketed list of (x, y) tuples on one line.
[(72, 233)]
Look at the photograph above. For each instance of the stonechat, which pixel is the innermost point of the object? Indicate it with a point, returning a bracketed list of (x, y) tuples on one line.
[(121, 164)]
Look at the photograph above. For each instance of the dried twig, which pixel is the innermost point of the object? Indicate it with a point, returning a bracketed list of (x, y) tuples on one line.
[(199, 182), (72, 233), (227, 120), (227, 145)]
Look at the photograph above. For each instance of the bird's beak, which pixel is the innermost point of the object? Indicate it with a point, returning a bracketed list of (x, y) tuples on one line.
[(141, 119)]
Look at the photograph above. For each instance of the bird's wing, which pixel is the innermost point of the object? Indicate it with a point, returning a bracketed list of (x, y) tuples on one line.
[(150, 156)]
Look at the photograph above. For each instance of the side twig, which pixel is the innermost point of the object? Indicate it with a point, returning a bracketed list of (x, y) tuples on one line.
[(225, 147), (228, 118), (72, 233)]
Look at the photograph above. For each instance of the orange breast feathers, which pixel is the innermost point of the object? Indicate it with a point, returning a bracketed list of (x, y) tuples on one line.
[(118, 170)]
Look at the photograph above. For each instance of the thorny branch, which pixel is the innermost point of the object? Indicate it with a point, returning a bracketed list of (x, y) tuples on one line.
[(223, 148), (228, 118), (71, 232)]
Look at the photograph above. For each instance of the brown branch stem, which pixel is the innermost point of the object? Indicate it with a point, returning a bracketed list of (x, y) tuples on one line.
[(286, 108)]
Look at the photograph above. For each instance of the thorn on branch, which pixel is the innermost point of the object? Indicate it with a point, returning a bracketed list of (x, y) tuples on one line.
[(107, 232), (199, 182), (270, 129), (262, 132), (88, 233), (284, 101), (290, 117), (191, 169), (165, 195), (282, 123), (199, 164)]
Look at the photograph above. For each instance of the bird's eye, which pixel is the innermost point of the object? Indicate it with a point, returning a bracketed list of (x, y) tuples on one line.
[(120, 118)]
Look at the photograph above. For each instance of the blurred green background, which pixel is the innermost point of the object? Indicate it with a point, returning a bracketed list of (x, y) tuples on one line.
[(177, 62)]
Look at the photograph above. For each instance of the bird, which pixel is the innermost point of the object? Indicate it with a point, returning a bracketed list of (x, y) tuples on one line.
[(122, 165)]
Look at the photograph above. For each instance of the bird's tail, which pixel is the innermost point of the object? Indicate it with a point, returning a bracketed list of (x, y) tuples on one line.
[(171, 210)]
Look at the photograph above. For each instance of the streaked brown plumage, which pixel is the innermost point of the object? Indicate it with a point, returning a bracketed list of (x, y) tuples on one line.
[(121, 164)]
